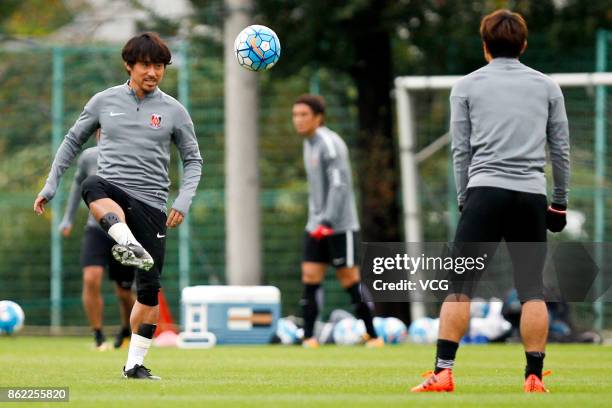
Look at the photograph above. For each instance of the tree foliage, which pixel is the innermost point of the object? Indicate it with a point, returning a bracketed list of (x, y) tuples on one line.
[(33, 17)]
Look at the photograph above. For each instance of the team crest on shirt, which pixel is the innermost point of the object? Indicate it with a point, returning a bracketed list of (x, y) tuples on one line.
[(156, 120)]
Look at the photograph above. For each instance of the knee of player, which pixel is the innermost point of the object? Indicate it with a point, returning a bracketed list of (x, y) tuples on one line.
[(348, 277), (347, 282), (148, 297), (123, 292), (90, 182), (91, 285), (92, 279), (147, 294), (89, 185), (309, 278)]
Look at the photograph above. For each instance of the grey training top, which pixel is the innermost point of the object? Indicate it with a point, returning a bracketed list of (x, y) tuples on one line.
[(330, 184), (86, 166), (134, 147), (502, 117)]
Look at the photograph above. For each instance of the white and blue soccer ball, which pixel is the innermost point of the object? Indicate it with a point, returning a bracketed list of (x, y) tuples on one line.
[(391, 329), (288, 332), (479, 307), (257, 48), (423, 330), (349, 331), (11, 317)]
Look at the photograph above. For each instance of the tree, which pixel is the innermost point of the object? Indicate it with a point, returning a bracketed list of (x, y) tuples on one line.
[(7, 9), (33, 17)]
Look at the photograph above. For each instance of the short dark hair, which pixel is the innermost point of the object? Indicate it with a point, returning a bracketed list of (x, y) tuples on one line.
[(146, 47), (504, 33), (316, 103)]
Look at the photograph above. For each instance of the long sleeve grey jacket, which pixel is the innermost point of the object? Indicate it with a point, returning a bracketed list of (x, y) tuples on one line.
[(502, 117), (134, 147)]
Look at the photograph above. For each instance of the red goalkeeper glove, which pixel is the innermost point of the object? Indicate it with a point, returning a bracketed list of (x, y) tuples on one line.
[(322, 231), (556, 217)]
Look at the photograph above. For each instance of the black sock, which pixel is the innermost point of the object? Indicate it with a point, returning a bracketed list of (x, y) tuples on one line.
[(535, 362), (126, 331), (362, 311), (98, 336), (445, 354), (146, 330), (310, 308)]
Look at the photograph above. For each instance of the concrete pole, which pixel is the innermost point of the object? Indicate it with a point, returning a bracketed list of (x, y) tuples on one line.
[(184, 249), (242, 218), (599, 213), (57, 108)]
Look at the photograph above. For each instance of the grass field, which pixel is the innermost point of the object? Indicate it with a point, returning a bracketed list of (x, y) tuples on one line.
[(266, 376)]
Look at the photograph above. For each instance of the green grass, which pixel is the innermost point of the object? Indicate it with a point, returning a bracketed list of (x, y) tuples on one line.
[(266, 376)]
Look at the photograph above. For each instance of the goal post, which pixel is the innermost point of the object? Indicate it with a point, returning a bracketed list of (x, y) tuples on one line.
[(417, 144)]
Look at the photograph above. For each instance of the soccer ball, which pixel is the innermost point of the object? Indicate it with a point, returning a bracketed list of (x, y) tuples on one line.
[(479, 307), (11, 317), (423, 330), (257, 48), (349, 331), (288, 332), (391, 329)]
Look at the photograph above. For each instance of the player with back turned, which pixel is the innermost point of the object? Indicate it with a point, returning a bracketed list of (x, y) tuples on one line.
[(332, 227), (502, 117), (128, 196)]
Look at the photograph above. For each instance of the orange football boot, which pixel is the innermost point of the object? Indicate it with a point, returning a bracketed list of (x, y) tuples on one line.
[(370, 342), (534, 384), (310, 343), (441, 382), (377, 342)]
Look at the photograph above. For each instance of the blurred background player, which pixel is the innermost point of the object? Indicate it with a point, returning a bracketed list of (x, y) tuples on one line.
[(129, 194), (331, 231), (502, 117), (95, 256)]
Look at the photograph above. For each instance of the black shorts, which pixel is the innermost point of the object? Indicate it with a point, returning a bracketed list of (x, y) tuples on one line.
[(147, 223), (491, 214), (339, 250), (96, 251)]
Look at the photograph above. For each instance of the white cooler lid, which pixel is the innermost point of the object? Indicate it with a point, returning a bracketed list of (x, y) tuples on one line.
[(227, 293)]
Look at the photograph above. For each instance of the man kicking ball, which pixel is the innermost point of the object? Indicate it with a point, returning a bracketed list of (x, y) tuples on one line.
[(502, 117), (128, 196)]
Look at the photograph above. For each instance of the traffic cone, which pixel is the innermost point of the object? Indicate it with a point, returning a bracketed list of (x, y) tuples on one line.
[(165, 322)]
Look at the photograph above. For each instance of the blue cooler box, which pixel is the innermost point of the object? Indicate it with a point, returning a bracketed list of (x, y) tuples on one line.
[(234, 314)]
